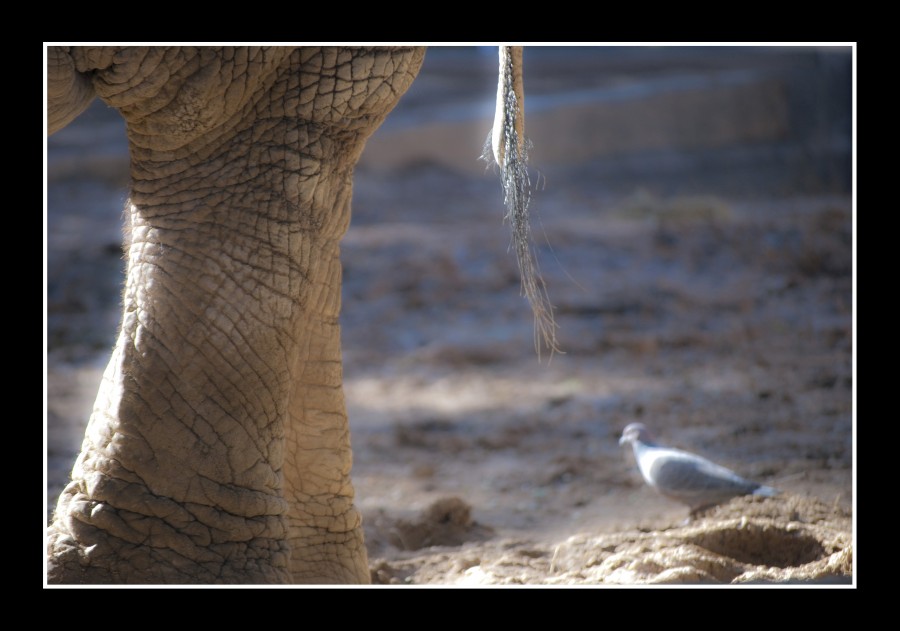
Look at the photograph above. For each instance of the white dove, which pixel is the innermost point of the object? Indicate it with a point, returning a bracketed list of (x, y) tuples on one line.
[(686, 477)]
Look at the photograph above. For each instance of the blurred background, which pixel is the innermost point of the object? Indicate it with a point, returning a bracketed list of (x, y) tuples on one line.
[(731, 120)]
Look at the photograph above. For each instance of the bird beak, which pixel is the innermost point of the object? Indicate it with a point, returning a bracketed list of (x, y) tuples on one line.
[(622, 440)]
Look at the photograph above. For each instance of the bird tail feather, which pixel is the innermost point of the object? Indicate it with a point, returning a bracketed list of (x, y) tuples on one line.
[(766, 491)]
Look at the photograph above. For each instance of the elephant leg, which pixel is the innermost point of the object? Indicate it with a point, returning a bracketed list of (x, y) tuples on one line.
[(218, 455), (218, 450), (179, 477), (325, 530)]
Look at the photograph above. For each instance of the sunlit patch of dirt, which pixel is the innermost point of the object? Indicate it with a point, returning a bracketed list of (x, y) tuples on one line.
[(714, 550)]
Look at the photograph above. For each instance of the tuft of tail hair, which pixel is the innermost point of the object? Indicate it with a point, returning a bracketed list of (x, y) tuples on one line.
[(508, 149)]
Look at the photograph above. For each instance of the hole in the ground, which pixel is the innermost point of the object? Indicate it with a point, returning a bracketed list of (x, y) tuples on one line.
[(761, 544)]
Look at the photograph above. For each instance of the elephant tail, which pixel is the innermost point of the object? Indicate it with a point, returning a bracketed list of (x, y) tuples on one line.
[(507, 147)]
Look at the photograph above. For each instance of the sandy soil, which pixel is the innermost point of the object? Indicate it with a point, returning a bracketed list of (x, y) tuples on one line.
[(723, 322)]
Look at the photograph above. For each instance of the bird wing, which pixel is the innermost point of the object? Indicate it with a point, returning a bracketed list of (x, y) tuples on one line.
[(692, 479)]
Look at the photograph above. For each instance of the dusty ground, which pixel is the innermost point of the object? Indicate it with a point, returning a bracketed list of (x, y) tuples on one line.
[(721, 320)]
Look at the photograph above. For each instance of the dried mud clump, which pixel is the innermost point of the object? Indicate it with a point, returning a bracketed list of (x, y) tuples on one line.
[(445, 522), (748, 540)]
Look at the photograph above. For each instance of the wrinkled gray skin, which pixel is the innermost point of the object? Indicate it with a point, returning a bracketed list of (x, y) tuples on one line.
[(218, 449)]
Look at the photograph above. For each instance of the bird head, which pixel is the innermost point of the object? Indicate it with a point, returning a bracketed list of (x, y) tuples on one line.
[(635, 432)]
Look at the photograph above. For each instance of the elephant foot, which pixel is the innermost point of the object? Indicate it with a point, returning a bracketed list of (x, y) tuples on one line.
[(330, 555), (67, 566), (119, 563), (93, 557), (93, 542)]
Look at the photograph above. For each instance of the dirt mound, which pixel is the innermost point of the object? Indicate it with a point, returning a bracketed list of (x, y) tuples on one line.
[(446, 522), (749, 540)]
